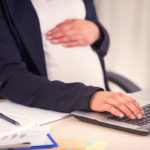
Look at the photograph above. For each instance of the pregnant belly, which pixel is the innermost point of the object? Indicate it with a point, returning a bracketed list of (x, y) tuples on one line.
[(79, 64)]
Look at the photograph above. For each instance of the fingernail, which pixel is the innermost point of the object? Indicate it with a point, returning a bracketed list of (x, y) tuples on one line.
[(132, 116), (142, 112), (139, 116), (49, 37), (121, 115), (54, 41)]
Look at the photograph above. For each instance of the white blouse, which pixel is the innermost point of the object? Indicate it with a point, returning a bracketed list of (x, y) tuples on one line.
[(78, 64)]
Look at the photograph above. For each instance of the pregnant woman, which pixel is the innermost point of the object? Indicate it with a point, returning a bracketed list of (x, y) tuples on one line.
[(51, 57)]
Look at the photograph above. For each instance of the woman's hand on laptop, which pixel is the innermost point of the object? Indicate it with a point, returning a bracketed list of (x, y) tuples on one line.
[(116, 103)]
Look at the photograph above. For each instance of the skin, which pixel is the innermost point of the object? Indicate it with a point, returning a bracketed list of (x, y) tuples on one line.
[(116, 103), (76, 32)]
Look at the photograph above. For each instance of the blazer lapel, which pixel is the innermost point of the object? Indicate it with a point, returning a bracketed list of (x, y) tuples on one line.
[(27, 25)]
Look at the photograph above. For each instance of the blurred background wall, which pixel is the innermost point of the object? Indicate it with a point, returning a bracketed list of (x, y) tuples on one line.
[(128, 24)]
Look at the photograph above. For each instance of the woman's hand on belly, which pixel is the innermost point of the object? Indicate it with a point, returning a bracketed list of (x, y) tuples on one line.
[(74, 32), (116, 103)]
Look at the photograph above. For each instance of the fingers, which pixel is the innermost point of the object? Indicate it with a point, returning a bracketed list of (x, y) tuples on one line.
[(61, 34), (127, 105), (64, 26), (122, 107), (64, 35), (136, 104), (116, 103), (133, 106), (113, 110), (67, 38), (60, 28), (74, 32), (135, 111)]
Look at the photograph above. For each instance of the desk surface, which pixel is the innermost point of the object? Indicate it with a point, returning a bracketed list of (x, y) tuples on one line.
[(117, 140)]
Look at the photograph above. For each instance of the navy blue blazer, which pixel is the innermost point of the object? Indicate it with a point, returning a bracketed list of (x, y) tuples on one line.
[(23, 76)]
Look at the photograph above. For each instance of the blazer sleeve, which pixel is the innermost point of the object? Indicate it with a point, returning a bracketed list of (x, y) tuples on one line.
[(21, 86), (101, 45)]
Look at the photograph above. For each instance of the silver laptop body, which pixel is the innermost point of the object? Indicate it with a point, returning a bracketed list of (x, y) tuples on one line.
[(107, 120)]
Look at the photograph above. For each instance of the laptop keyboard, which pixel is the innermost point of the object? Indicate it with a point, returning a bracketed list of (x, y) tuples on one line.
[(145, 120)]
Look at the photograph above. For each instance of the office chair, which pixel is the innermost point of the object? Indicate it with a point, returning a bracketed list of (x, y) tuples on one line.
[(124, 83)]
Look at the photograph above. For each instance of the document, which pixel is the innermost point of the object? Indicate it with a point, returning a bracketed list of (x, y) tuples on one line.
[(25, 116), (7, 128), (37, 115), (38, 137)]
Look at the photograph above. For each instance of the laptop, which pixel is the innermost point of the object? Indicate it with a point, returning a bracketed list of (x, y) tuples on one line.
[(140, 127)]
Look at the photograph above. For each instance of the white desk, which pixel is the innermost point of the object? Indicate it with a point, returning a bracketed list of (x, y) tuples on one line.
[(117, 140)]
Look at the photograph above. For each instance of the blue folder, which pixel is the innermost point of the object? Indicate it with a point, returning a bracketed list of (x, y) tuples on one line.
[(54, 144)]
